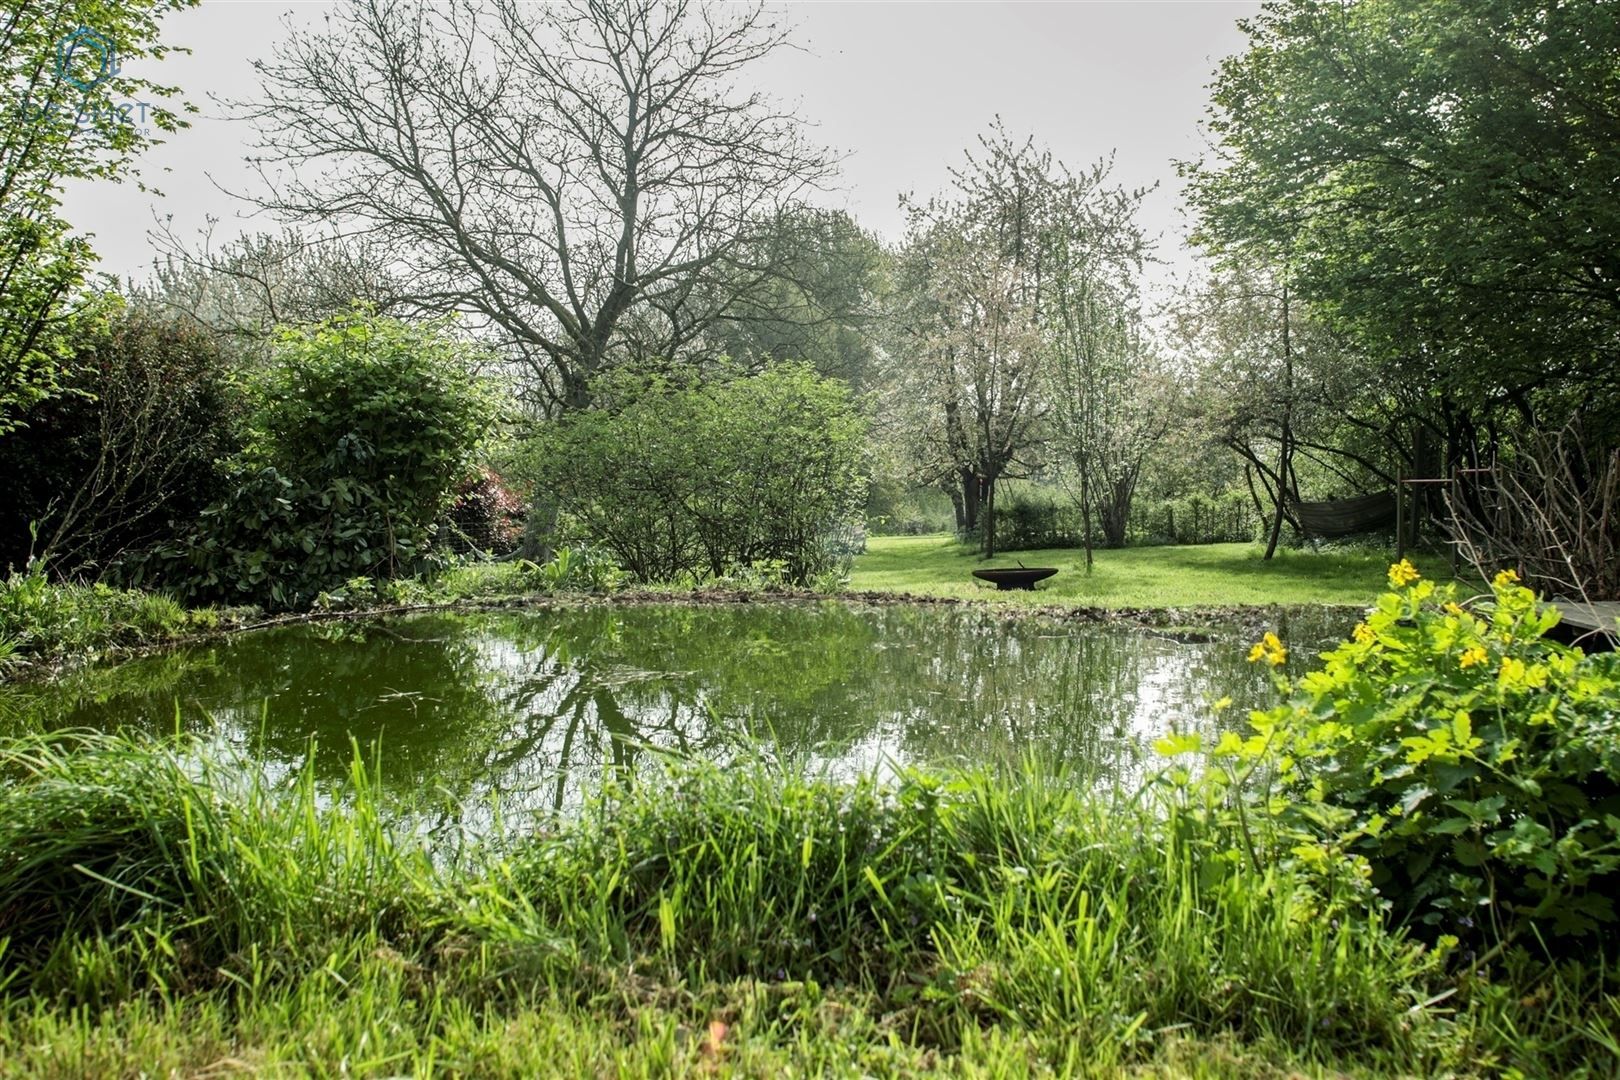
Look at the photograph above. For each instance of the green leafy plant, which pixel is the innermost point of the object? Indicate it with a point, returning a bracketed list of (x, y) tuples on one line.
[(577, 569), (44, 619), (357, 438), (685, 479), (1461, 761)]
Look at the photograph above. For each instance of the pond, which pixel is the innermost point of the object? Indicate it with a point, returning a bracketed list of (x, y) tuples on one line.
[(531, 710)]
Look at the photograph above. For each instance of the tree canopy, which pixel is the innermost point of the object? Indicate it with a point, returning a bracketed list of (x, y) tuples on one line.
[(1437, 179), (73, 112)]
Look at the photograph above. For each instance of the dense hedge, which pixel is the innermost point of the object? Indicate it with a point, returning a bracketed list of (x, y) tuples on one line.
[(1197, 519)]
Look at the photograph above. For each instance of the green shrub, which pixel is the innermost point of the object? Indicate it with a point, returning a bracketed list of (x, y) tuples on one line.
[(127, 454), (357, 437), (678, 478), (1470, 765)]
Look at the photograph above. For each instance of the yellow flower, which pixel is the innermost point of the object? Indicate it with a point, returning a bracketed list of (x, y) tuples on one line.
[(1473, 656), (1454, 608), (1504, 578), (1403, 573), (1363, 634), (1270, 649)]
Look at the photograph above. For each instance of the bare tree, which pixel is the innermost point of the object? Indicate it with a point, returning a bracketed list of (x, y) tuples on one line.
[(242, 289), (126, 454), (571, 173)]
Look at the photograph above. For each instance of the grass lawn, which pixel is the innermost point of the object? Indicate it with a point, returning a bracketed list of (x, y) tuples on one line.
[(1206, 575)]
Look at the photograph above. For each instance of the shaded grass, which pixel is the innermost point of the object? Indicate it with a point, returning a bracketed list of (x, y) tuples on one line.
[(1205, 575), (165, 912)]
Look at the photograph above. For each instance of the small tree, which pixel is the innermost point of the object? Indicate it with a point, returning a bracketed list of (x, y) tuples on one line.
[(1111, 405), (988, 283), (69, 115)]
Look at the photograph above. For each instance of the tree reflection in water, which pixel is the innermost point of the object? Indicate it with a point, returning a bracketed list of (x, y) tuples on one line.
[(530, 710)]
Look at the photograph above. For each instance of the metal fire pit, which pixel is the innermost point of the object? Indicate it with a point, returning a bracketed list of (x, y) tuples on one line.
[(1019, 577)]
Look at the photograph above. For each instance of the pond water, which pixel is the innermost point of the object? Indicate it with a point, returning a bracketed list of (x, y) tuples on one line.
[(534, 707)]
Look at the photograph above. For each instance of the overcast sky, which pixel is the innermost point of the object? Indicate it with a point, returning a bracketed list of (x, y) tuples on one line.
[(901, 88)]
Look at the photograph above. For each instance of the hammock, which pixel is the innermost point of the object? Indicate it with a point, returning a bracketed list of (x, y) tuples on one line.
[(1342, 517)]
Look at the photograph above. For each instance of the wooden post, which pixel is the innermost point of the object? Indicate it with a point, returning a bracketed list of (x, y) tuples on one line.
[(1400, 515), (1456, 540)]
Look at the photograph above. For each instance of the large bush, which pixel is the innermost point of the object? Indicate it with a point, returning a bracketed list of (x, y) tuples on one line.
[(1470, 765), (680, 478), (126, 453), (358, 434)]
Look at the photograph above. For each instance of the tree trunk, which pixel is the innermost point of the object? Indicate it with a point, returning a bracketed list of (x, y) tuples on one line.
[(1281, 495), (1285, 454), (540, 528), (1085, 511), (989, 519), (970, 501), (957, 505), (1116, 513)]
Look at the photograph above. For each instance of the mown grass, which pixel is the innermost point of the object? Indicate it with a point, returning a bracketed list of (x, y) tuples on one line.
[(167, 913), (1205, 575)]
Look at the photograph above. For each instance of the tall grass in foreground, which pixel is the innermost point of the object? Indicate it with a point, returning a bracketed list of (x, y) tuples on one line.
[(163, 912)]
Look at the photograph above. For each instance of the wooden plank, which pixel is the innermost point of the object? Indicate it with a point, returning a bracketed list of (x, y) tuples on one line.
[(1598, 616), (1591, 626)]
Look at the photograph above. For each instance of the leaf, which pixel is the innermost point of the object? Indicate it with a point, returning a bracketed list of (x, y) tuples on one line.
[(1462, 729), (1414, 798), (1174, 744)]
